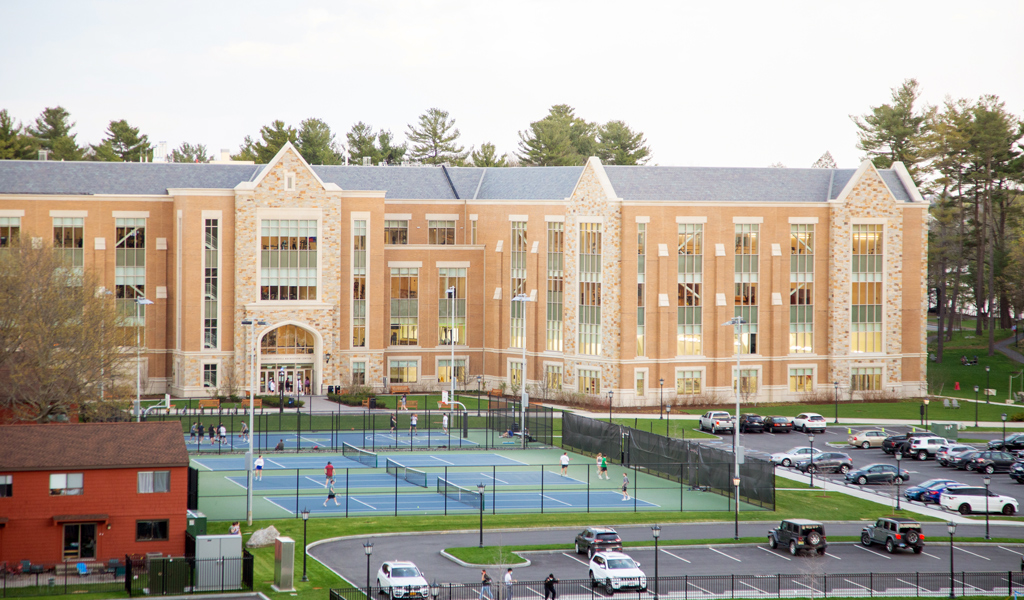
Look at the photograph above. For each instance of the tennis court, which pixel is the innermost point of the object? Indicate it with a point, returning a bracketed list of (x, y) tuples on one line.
[(359, 480), (294, 441), (357, 458)]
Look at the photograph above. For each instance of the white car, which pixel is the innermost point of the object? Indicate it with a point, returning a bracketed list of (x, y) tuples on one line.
[(809, 422), (793, 455), (969, 500), (402, 579), (616, 571)]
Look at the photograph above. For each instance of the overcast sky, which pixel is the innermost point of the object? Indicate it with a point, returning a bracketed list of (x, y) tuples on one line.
[(709, 83)]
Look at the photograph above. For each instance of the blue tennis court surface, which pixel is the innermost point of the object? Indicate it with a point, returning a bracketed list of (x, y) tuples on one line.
[(340, 461), (293, 440), (433, 502), (383, 480)]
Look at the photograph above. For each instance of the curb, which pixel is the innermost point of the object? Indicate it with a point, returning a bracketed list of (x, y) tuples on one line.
[(463, 563)]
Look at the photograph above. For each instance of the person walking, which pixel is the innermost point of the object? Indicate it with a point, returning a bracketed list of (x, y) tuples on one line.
[(244, 433), (223, 434), (508, 584), (331, 495), (259, 468), (394, 422), (444, 425), (309, 388), (625, 486), (404, 407), (604, 468), (597, 460), (565, 463), (329, 473), (212, 430), (192, 433), (485, 585), (549, 587), (202, 432), (412, 423)]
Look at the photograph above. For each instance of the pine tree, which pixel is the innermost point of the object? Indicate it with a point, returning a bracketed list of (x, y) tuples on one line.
[(316, 143), (618, 145), (123, 143), (559, 139), (14, 144), (188, 153), (894, 132), (273, 138), (435, 139), (52, 131), (362, 141), (825, 161), (487, 157)]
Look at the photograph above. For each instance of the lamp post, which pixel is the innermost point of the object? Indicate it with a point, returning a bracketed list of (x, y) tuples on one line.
[(479, 392), (139, 302), (452, 334), (661, 396), (368, 549), (104, 293), (951, 528), (736, 322), (305, 551), (668, 420), (988, 481), (810, 469), (656, 532), (280, 387), (988, 381), (524, 399), (252, 392), (975, 406), (1004, 431), (435, 590), (899, 457), (610, 407), (836, 383), (736, 515), (926, 413), (480, 488)]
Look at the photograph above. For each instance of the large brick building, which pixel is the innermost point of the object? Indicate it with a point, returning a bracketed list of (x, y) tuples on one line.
[(92, 491), (632, 270)]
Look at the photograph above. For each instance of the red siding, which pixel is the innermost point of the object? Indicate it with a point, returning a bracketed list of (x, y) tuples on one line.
[(31, 533)]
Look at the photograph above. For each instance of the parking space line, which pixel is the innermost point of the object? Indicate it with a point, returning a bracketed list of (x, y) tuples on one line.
[(931, 555), (830, 555), (873, 552), (753, 588), (699, 588), (725, 555), (535, 591), (773, 553), (813, 589), (972, 553), (856, 584), (575, 559), (911, 585), (1008, 550), (674, 556), (593, 591)]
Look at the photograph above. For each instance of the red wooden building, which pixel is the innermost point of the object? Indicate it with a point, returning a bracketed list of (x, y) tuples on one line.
[(92, 491)]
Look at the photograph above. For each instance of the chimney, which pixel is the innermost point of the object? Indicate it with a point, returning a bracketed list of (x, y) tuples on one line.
[(225, 155), (367, 161), (43, 154), (160, 153)]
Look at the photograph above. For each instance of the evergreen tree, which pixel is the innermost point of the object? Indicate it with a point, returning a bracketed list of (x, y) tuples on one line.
[(52, 132), (825, 161), (389, 153), (14, 144), (188, 153), (435, 139), (362, 141), (316, 143), (273, 138), (488, 157), (894, 132), (123, 143), (247, 151), (559, 139), (618, 145)]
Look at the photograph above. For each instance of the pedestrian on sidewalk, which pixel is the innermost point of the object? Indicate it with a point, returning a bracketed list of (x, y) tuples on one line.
[(508, 584), (485, 585), (549, 587)]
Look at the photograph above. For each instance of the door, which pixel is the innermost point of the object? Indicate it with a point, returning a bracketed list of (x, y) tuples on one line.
[(79, 541)]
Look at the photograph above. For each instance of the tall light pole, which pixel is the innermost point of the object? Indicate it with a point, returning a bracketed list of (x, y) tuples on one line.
[(1004, 431), (280, 387), (661, 394), (656, 532), (736, 322), (368, 550), (988, 382), (736, 518), (252, 432), (951, 528), (899, 457), (451, 342), (610, 407), (479, 390), (668, 420), (988, 482), (139, 302), (523, 400), (305, 551), (810, 469), (481, 488), (104, 293), (975, 406), (836, 383)]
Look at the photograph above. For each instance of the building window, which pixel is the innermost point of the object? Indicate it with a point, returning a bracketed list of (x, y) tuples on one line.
[(10, 231), (801, 288), (515, 374), (6, 486), (749, 381), (151, 531), (211, 292), (553, 377), (451, 329), (801, 380), (210, 376), (403, 371), (472, 232), (289, 181), (396, 232), (288, 339), (641, 280), (589, 381), (359, 284), (69, 242), (441, 232), (444, 370), (130, 273), (867, 289), (404, 306), (154, 482), (640, 382), (358, 373), (688, 382), (866, 378), (517, 321), (556, 241), (66, 484), (288, 260), (590, 289), (690, 277), (745, 278)]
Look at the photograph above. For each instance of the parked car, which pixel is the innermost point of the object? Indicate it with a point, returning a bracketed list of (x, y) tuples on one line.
[(878, 473), (1013, 443), (933, 495), (969, 500), (990, 461), (869, 438), (751, 423), (826, 462), (778, 424), (960, 460), (597, 539), (793, 455), (402, 579), (1017, 472), (810, 422), (799, 535), (716, 421), (914, 492), (923, 448), (947, 453), (616, 571), (891, 443), (894, 533)]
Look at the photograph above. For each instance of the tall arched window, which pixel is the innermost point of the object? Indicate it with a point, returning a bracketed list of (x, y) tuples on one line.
[(288, 339)]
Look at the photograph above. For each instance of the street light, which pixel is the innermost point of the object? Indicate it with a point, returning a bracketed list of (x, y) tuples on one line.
[(975, 406), (736, 518), (280, 386), (988, 381), (524, 400), (926, 413), (609, 407), (368, 549), (435, 590), (656, 532), (480, 488), (661, 396), (479, 392), (1004, 431), (837, 401), (305, 551), (810, 469), (736, 322), (140, 301), (951, 528), (668, 411), (988, 481), (452, 334), (899, 457), (252, 432)]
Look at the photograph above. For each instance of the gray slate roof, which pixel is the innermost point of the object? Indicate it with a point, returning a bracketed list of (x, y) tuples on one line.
[(53, 177), (407, 183), (520, 183)]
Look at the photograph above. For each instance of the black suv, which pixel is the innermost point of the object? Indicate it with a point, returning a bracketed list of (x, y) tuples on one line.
[(902, 442), (751, 423), (990, 461), (597, 539), (1012, 442), (895, 533), (798, 534)]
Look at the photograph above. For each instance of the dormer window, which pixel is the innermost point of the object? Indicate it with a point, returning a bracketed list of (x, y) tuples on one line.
[(289, 181)]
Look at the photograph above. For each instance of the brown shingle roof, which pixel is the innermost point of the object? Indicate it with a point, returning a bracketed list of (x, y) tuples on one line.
[(92, 446)]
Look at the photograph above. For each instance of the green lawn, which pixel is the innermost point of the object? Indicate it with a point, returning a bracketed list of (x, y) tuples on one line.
[(676, 428), (942, 377)]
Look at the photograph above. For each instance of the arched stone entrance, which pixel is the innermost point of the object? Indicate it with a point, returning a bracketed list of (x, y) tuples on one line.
[(289, 357)]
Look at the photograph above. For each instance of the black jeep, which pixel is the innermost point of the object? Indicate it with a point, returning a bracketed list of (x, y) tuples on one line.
[(895, 533), (798, 535)]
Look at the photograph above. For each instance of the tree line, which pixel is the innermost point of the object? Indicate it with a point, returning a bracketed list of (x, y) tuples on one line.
[(560, 138), (967, 157)]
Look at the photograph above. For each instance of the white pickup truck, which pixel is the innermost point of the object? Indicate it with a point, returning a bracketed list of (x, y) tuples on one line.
[(717, 420)]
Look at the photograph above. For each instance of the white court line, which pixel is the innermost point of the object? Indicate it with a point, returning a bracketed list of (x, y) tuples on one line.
[(773, 553), (494, 478), (753, 588), (675, 556), (969, 552), (875, 553), (561, 477), (554, 499), (575, 559), (856, 584), (363, 503), (201, 465), (724, 554), (936, 557), (288, 510), (275, 462), (323, 485), (238, 484), (432, 457), (518, 462)]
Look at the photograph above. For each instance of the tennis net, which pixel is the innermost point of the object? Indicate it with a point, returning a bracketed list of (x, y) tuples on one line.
[(358, 454), (460, 494), (413, 476)]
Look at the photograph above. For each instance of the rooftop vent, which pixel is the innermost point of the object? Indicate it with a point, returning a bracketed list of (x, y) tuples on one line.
[(43, 154)]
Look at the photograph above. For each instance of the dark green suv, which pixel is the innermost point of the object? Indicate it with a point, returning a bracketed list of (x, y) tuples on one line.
[(894, 533), (799, 535)]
